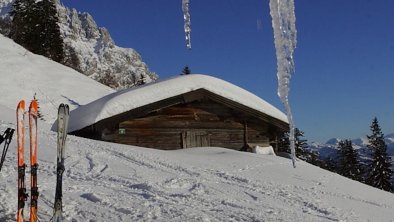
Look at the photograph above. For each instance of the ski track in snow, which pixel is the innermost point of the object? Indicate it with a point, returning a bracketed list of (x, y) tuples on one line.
[(106, 182)]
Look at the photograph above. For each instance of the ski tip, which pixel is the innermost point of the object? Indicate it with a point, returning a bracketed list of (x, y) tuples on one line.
[(64, 107), (61, 108), (33, 105), (21, 104)]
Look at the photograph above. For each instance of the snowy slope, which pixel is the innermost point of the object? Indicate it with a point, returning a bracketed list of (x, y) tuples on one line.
[(111, 182), (24, 74)]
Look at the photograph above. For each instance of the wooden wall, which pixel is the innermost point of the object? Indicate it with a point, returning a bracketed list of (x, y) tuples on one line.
[(199, 123)]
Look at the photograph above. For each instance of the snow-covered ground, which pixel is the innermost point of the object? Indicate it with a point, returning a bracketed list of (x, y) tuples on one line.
[(112, 182)]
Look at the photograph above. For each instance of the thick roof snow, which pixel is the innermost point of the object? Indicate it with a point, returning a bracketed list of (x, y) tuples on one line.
[(123, 101)]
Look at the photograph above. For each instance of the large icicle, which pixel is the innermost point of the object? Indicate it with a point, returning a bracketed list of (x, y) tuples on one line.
[(187, 25), (285, 34)]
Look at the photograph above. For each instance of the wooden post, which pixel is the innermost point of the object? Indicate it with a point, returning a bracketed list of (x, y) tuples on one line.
[(183, 140), (245, 133), (245, 147)]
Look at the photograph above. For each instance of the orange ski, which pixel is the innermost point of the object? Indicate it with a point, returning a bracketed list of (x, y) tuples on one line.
[(22, 195), (33, 114)]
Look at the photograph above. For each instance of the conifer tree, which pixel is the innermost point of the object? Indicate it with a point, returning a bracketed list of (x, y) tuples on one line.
[(300, 144), (349, 162), (35, 27), (312, 157), (52, 40), (186, 71), (329, 164), (21, 27), (39, 114), (379, 171)]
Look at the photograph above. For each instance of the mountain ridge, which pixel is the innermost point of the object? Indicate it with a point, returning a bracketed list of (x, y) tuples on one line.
[(327, 148)]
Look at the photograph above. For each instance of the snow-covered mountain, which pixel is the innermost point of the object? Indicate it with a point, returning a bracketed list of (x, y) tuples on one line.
[(90, 49), (112, 182), (5, 8), (333, 141), (5, 20), (96, 54), (330, 147)]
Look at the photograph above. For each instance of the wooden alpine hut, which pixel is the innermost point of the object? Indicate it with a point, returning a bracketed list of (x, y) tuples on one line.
[(181, 112)]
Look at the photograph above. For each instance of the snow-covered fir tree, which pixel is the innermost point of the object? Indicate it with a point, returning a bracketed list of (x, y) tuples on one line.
[(349, 162), (40, 116), (379, 171)]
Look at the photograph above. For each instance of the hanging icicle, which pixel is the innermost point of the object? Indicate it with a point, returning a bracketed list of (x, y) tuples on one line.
[(187, 25), (285, 34)]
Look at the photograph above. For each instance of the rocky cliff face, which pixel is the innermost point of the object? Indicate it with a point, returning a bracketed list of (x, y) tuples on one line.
[(90, 49), (5, 20)]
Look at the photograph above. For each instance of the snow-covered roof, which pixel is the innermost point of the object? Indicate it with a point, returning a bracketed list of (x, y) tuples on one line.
[(129, 99)]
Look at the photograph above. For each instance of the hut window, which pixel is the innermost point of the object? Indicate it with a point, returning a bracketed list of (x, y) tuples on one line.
[(122, 131)]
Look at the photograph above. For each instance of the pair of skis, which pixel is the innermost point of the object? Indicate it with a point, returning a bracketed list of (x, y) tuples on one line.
[(63, 115), (22, 194), (62, 125)]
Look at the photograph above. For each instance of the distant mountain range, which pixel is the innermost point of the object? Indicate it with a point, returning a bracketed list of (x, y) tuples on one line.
[(90, 49), (330, 147)]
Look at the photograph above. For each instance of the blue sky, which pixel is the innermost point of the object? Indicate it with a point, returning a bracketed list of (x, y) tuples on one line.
[(344, 74)]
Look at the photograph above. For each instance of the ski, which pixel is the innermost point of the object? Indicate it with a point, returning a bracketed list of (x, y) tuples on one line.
[(33, 115), (62, 125), (22, 195)]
